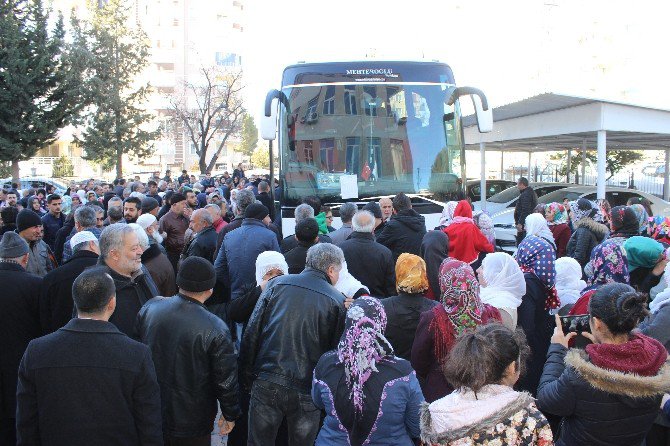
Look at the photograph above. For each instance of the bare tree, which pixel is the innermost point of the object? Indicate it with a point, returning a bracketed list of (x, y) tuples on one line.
[(210, 111)]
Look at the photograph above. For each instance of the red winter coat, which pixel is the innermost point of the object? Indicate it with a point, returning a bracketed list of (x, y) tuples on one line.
[(561, 235), (466, 241)]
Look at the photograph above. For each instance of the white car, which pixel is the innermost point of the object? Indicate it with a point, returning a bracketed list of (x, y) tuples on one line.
[(503, 221), (508, 198)]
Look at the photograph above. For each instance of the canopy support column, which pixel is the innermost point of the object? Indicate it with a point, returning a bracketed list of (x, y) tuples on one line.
[(666, 176), (529, 165), (602, 163), (502, 167), (482, 178), (569, 164), (584, 161)]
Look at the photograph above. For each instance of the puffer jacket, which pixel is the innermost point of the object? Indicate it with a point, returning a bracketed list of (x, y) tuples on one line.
[(587, 235), (195, 364), (296, 320), (602, 407), (404, 232)]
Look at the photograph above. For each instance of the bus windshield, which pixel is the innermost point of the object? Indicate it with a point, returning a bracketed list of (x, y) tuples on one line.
[(392, 136)]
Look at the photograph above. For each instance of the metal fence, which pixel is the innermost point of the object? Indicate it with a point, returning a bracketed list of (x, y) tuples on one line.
[(651, 184)]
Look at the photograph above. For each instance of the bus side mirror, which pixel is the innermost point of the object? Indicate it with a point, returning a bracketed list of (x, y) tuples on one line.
[(483, 112), (269, 117), (484, 117)]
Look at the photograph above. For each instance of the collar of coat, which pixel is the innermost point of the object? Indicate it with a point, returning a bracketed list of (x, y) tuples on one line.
[(599, 229), (619, 383), (429, 436)]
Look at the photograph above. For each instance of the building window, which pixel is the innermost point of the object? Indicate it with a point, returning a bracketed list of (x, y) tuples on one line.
[(350, 100), (329, 102), (228, 59), (327, 153), (310, 113), (191, 148), (353, 155), (370, 100), (309, 153)]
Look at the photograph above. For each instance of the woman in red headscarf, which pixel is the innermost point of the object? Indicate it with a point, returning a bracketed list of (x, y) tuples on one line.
[(466, 241), (436, 334)]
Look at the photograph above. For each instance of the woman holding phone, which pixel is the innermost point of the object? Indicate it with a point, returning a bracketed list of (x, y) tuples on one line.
[(610, 393)]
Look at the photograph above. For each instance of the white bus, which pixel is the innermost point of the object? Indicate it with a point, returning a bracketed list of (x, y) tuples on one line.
[(358, 131)]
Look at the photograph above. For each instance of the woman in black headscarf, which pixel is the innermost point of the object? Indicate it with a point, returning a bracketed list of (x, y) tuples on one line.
[(434, 249)]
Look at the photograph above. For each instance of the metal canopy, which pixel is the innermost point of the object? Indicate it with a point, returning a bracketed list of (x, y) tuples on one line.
[(554, 122), (551, 122)]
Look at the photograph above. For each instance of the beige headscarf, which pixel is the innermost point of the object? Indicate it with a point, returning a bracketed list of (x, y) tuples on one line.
[(410, 274)]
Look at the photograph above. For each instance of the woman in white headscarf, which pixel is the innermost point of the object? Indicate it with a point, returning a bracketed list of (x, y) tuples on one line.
[(537, 225), (447, 214), (269, 264), (349, 285), (569, 283), (502, 285)]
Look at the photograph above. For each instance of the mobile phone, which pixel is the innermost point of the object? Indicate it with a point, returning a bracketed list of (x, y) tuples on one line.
[(575, 324)]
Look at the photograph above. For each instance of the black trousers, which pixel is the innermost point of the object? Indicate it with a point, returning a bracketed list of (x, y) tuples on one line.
[(271, 404)]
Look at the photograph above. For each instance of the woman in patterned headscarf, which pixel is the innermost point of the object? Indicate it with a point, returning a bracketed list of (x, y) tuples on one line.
[(557, 219), (447, 214), (368, 394), (642, 218), (608, 264), (537, 259), (461, 310), (659, 229), (587, 232)]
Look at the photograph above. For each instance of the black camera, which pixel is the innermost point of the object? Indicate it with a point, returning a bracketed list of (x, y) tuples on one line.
[(575, 324)]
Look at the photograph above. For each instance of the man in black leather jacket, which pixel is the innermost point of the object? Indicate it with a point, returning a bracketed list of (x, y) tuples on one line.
[(194, 357), (297, 319)]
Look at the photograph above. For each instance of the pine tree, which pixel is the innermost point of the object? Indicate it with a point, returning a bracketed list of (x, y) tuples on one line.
[(40, 81), (115, 124), (249, 135)]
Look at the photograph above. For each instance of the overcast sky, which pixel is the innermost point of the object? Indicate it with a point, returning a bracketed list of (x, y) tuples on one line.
[(612, 49)]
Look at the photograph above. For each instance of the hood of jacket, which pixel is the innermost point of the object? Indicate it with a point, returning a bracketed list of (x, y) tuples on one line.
[(461, 414), (151, 252), (463, 209), (411, 218), (616, 382), (598, 229)]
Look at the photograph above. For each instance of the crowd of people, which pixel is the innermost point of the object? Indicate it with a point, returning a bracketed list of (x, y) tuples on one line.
[(133, 312)]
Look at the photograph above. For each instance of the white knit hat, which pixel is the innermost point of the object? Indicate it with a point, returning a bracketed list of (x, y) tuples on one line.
[(81, 237), (348, 284), (146, 220), (267, 261)]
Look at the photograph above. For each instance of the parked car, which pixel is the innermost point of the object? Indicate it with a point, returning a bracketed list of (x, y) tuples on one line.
[(507, 198), (503, 221), (493, 187), (28, 182)]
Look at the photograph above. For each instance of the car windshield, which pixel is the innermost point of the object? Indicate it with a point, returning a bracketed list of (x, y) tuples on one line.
[(505, 196), (558, 196)]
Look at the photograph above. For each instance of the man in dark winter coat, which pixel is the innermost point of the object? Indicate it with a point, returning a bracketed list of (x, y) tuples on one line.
[(53, 220), (154, 258), (306, 232), (121, 252), (41, 259), (251, 239), (405, 230), (243, 200), (56, 303), (264, 197), (19, 324), (203, 244), (525, 206), (297, 319), (87, 383), (301, 212), (360, 249), (194, 356)]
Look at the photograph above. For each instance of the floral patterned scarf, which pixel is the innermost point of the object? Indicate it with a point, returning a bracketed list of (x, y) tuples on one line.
[(363, 345), (560, 214), (535, 255), (608, 265), (460, 294), (461, 307), (642, 217)]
